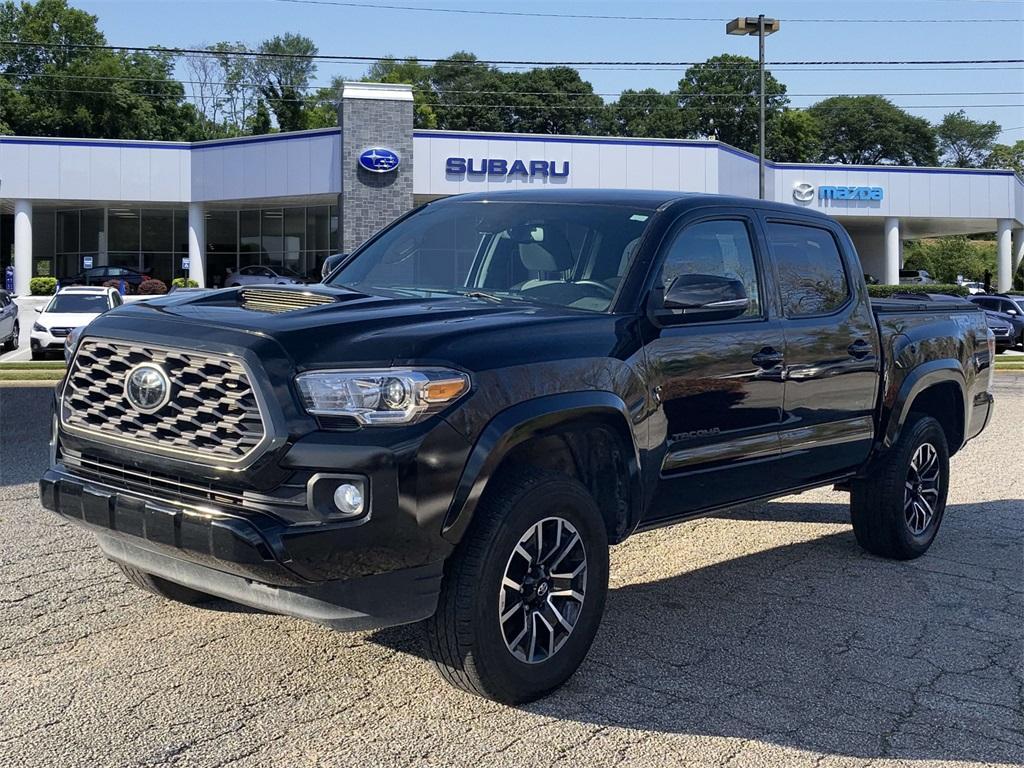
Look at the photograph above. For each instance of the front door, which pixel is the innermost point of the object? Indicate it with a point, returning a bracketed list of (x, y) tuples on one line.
[(714, 439)]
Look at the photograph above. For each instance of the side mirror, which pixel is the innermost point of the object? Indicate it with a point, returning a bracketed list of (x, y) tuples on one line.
[(39, 310), (693, 298), (1011, 312)]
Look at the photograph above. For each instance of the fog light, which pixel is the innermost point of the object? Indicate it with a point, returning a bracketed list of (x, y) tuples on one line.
[(348, 498)]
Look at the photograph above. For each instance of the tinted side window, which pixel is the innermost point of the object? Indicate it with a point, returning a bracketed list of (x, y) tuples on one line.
[(721, 248), (812, 280)]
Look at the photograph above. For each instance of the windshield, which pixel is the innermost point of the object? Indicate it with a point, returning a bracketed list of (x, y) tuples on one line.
[(565, 254), (79, 303)]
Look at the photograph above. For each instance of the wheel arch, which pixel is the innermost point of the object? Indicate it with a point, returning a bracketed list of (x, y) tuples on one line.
[(937, 389), (582, 434)]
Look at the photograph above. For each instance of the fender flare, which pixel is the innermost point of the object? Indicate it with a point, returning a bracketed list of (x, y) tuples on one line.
[(918, 380), (532, 418)]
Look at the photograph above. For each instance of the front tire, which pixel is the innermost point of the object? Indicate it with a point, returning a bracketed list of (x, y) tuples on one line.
[(897, 511), (523, 594), (168, 590)]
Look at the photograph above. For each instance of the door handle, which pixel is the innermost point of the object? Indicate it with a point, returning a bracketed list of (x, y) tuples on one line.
[(859, 349), (767, 358)]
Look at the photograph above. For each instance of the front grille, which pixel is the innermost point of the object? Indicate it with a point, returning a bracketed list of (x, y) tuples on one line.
[(191, 492), (1001, 331), (212, 415), (60, 332), (281, 299)]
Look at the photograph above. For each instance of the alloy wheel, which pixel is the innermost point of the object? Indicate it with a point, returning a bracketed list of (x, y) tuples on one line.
[(542, 590), (921, 497)]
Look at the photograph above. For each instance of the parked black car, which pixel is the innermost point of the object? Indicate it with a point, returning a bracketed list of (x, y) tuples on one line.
[(489, 393), (1012, 307), (101, 275)]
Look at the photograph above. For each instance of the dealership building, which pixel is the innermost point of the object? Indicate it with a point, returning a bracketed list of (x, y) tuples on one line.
[(207, 209)]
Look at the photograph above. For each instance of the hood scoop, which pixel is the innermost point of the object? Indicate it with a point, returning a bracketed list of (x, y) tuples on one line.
[(281, 299)]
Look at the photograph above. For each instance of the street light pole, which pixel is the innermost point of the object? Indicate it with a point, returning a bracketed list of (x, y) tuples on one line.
[(760, 70), (762, 27)]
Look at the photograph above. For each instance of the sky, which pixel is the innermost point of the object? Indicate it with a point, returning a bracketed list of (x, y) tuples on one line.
[(870, 34)]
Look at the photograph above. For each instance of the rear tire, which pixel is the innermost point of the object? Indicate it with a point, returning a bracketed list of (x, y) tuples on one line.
[(163, 588), (12, 343), (897, 512), (534, 561)]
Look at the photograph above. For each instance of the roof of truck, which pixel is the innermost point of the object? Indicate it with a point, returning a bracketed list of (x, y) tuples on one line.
[(635, 197)]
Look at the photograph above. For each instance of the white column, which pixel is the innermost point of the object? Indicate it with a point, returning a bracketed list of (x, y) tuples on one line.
[(197, 243), (892, 251), (22, 246), (1017, 247), (1003, 255)]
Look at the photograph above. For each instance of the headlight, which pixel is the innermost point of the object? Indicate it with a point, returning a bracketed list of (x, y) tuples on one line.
[(39, 327), (381, 397)]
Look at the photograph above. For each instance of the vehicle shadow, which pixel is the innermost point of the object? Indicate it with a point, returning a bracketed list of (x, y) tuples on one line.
[(816, 645)]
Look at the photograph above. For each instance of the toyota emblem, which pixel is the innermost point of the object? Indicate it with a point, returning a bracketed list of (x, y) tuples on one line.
[(147, 388)]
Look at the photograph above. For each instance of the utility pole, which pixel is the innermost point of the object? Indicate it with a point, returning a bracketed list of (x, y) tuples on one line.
[(762, 27)]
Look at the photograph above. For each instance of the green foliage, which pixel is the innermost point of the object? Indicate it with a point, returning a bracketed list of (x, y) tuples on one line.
[(719, 99), (963, 142), (886, 291), (949, 257), (69, 90), (411, 72), (1007, 156), (183, 282), (794, 136), (647, 113), (42, 286), (872, 130), (259, 123), (284, 76), (152, 287)]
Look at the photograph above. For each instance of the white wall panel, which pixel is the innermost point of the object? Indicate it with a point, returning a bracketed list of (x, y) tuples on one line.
[(43, 171)]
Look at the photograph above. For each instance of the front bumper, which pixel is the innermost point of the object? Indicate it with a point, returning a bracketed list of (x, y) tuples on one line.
[(44, 340)]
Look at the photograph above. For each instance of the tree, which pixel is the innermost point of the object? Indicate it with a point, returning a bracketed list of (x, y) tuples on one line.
[(720, 99), (73, 89), (872, 130), (965, 143), (647, 113), (947, 258), (207, 86), (1007, 156), (554, 100), (470, 96), (259, 121), (410, 71), (284, 70), (794, 136), (240, 73)]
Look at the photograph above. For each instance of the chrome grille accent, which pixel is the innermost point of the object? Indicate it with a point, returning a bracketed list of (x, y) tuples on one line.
[(212, 417), (192, 493), (281, 300)]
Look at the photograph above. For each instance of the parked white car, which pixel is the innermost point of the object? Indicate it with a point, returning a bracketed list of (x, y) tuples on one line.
[(72, 307), (974, 288)]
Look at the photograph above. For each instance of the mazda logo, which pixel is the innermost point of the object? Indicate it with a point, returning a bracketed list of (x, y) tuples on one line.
[(803, 192), (147, 388)]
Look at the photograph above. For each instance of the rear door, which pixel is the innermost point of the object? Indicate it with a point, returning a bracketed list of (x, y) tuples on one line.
[(718, 384), (832, 349)]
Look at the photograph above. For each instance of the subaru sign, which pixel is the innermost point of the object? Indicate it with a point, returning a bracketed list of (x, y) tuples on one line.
[(804, 193), (468, 166), (379, 159)]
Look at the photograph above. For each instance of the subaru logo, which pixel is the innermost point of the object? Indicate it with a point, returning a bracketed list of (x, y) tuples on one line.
[(803, 192), (379, 160), (147, 388)]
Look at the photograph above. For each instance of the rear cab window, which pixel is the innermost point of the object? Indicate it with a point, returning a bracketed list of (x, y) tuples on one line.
[(811, 274)]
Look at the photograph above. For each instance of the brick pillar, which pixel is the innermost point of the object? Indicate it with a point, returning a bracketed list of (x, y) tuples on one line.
[(373, 115)]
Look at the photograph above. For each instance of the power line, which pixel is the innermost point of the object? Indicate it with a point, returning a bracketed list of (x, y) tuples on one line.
[(339, 57), (576, 94), (610, 17)]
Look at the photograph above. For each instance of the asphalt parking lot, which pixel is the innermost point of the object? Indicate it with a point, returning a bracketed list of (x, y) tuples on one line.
[(762, 637)]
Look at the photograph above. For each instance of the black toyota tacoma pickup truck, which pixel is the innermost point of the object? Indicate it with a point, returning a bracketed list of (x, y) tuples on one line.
[(477, 402)]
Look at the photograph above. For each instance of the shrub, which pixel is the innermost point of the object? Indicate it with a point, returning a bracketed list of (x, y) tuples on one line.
[(885, 291), (152, 287), (946, 258), (42, 286), (184, 282)]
